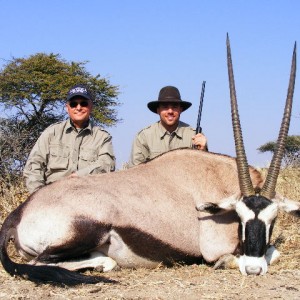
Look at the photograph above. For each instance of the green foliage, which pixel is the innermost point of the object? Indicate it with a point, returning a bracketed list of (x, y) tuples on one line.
[(292, 150), (32, 97)]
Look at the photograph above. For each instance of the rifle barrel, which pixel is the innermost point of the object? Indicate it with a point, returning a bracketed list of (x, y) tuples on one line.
[(198, 127)]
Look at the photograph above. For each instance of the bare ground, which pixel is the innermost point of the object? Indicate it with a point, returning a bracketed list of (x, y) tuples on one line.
[(186, 282)]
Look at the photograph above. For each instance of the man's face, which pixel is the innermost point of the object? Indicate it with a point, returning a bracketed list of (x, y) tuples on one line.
[(79, 110), (169, 114)]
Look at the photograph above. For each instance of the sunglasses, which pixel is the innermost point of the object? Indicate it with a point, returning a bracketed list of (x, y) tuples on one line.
[(74, 104)]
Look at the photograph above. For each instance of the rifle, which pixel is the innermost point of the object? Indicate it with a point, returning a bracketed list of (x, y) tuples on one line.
[(198, 127)]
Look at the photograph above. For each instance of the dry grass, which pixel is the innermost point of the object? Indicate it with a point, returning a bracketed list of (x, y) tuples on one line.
[(286, 233), (10, 198)]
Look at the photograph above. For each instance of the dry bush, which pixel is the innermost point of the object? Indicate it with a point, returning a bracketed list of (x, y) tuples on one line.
[(11, 197)]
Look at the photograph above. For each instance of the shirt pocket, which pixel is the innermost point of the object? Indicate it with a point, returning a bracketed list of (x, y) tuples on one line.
[(59, 157), (88, 156)]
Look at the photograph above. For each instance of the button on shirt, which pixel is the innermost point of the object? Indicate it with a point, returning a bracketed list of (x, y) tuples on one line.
[(155, 140), (62, 150)]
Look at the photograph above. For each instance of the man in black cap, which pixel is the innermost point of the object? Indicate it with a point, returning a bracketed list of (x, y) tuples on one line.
[(169, 132), (71, 148)]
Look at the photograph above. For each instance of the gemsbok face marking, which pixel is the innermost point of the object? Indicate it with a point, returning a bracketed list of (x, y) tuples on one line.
[(145, 216)]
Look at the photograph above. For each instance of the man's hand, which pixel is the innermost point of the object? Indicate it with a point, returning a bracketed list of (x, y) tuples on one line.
[(199, 141)]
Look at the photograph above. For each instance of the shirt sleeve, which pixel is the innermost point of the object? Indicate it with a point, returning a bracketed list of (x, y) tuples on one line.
[(105, 161), (139, 151), (35, 168)]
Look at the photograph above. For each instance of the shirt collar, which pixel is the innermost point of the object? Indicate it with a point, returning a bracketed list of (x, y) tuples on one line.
[(178, 131), (70, 126)]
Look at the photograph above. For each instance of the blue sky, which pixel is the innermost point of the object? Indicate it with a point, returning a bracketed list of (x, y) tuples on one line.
[(142, 46)]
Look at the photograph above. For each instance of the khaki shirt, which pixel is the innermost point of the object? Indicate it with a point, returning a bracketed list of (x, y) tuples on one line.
[(155, 140), (61, 150)]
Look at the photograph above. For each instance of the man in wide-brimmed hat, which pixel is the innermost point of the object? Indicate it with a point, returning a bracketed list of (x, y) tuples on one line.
[(169, 132)]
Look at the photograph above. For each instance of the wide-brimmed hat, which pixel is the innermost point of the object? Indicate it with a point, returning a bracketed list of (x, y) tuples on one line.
[(168, 94), (79, 90)]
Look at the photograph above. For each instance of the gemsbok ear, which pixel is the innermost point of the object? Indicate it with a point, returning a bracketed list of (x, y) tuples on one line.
[(290, 206), (227, 204)]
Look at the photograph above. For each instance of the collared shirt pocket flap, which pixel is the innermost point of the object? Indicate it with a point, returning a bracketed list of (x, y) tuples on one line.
[(89, 155), (59, 157)]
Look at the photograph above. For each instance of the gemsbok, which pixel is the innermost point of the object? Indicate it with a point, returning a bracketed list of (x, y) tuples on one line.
[(182, 206)]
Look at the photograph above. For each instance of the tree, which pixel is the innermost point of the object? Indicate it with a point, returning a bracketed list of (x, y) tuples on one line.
[(292, 150), (36, 88), (32, 96)]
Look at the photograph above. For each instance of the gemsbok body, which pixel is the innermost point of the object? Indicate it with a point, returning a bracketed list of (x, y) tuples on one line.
[(183, 206)]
